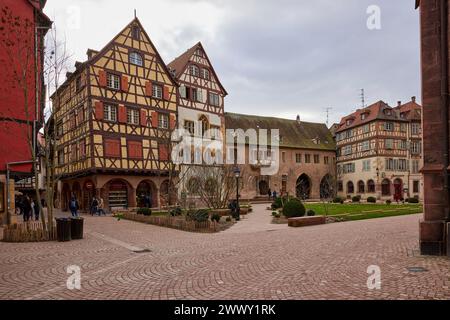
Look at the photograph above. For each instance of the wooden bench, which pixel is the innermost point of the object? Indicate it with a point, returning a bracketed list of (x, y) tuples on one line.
[(306, 221)]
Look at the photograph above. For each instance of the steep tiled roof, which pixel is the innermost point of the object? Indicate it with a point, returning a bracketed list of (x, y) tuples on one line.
[(294, 134), (410, 110)]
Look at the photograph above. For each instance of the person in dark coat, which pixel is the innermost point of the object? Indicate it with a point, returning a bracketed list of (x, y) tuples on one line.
[(269, 193), (147, 201), (26, 209), (36, 210), (275, 195), (94, 206), (73, 206)]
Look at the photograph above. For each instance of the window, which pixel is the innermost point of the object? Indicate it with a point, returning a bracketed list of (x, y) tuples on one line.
[(363, 116), (415, 128), (365, 146), (387, 112), (366, 128), (396, 165), (389, 143), (388, 126), (189, 126), (112, 148), (194, 70), (370, 186), (214, 99), (415, 166), (198, 52), (350, 187), (163, 121), (326, 160), (205, 74), (416, 147), (316, 158), (136, 59), (298, 158), (59, 129), (348, 168), (403, 145), (135, 149), (361, 187), (215, 131), (416, 186), (110, 113), (366, 165), (347, 150), (194, 94), (157, 91), (113, 81), (184, 92), (135, 32), (307, 158), (349, 122), (133, 116), (283, 156), (403, 127), (386, 187), (60, 157), (204, 125)]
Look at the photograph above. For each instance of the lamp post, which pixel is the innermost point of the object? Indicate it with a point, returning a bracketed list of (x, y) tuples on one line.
[(237, 174)]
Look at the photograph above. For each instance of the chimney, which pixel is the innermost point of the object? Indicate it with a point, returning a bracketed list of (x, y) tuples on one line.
[(298, 119), (413, 99), (399, 103)]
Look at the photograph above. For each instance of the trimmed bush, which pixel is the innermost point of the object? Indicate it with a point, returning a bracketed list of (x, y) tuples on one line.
[(176, 212), (338, 200), (311, 213), (413, 200), (388, 201), (278, 216), (215, 217), (274, 213), (277, 204), (145, 211), (372, 200), (201, 215), (294, 208), (356, 199)]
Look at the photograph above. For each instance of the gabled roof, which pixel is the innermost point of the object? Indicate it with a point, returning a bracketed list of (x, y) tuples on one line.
[(410, 110), (94, 58), (294, 134), (180, 63)]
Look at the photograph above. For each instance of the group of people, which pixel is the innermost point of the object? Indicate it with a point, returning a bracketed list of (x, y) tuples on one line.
[(272, 195), (29, 208), (96, 207)]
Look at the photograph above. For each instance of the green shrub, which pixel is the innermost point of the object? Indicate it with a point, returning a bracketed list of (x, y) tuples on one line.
[(338, 200), (311, 213), (294, 208), (372, 200), (145, 211), (356, 199), (274, 213), (277, 204), (388, 201), (201, 215), (215, 217), (278, 216), (176, 212), (228, 219), (413, 200)]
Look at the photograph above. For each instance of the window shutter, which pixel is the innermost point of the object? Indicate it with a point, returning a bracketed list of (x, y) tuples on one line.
[(125, 83), (163, 152), (143, 117), (135, 149), (122, 114), (155, 119), (166, 93), (82, 148), (112, 148), (172, 122), (183, 91), (148, 89), (81, 116), (99, 110), (102, 78)]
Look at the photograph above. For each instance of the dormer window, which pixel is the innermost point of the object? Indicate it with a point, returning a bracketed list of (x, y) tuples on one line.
[(349, 122), (388, 112), (198, 52), (364, 116), (135, 33)]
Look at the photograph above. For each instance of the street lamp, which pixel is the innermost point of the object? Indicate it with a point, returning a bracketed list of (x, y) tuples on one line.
[(237, 174)]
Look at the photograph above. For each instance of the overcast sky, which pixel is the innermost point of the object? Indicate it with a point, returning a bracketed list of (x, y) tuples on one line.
[(274, 57)]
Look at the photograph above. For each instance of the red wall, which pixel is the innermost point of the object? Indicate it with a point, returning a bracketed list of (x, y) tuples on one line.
[(13, 135)]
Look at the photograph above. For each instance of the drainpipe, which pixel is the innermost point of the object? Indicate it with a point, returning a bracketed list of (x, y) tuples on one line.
[(444, 96), (8, 200)]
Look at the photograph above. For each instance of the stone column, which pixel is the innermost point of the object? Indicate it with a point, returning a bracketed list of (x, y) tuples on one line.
[(132, 197)]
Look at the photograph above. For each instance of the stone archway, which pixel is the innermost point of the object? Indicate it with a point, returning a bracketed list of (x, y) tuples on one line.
[(386, 187), (326, 187), (117, 194), (398, 189), (88, 195), (146, 191), (303, 187), (263, 187)]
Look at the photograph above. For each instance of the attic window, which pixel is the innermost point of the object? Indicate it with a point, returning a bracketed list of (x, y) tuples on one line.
[(198, 52), (363, 116), (316, 140), (387, 112), (349, 122), (135, 32)]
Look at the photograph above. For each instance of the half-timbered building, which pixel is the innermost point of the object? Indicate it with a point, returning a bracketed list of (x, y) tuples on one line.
[(379, 152), (113, 118), (201, 106)]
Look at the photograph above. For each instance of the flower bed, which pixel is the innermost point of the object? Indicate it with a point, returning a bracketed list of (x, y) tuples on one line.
[(178, 222)]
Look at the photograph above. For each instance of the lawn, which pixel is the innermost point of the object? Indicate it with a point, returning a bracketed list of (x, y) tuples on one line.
[(355, 211)]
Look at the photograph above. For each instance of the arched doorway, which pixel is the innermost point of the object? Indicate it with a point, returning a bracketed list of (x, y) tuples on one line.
[(370, 186), (263, 187), (361, 187), (326, 188), (146, 191), (118, 194), (386, 187), (165, 197), (398, 189), (303, 188), (88, 195), (350, 187)]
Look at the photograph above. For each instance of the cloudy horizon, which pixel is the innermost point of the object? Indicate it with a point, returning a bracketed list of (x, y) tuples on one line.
[(275, 58)]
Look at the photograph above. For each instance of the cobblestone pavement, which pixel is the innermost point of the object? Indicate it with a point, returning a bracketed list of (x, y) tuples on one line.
[(252, 260)]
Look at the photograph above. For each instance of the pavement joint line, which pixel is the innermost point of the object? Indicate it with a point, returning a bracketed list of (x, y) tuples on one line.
[(115, 241)]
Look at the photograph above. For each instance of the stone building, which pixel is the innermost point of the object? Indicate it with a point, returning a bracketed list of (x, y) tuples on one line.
[(434, 25), (306, 158), (113, 120), (379, 152)]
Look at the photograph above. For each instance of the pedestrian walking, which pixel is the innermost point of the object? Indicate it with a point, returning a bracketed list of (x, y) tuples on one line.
[(147, 201), (26, 209), (269, 193), (101, 204), (94, 206), (274, 195), (73, 206), (37, 210)]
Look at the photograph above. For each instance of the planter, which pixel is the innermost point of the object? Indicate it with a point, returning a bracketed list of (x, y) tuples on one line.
[(306, 221)]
